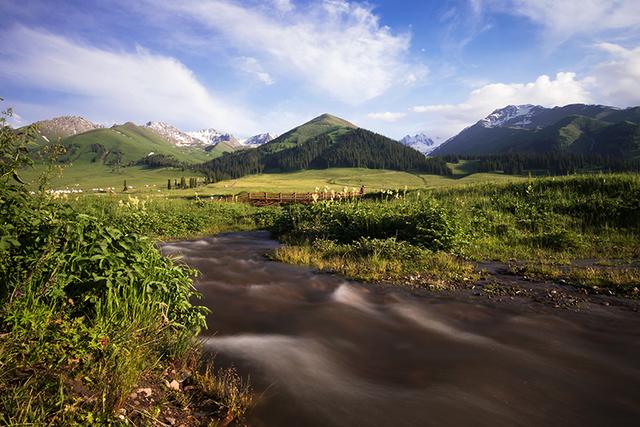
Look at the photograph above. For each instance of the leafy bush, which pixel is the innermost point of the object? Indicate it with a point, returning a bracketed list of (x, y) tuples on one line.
[(424, 223), (86, 306)]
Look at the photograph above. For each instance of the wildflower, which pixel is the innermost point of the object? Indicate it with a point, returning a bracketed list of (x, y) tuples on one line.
[(104, 342)]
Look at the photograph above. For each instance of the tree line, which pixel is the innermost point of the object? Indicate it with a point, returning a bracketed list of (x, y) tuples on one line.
[(553, 163)]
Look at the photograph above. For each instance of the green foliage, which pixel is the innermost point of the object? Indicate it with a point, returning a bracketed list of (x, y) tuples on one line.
[(421, 222), (13, 148), (86, 308), (554, 220)]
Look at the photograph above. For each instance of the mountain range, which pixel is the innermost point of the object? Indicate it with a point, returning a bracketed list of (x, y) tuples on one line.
[(128, 143), (575, 128), (330, 141)]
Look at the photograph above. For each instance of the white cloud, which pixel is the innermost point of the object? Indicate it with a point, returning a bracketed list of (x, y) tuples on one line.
[(618, 79), (253, 67), (451, 118), (563, 19), (112, 85), (283, 5), (333, 46), (387, 116)]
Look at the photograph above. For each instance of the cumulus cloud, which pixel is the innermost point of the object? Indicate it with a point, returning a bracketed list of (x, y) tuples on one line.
[(334, 46), (387, 116), (112, 85), (566, 18), (545, 91), (617, 80)]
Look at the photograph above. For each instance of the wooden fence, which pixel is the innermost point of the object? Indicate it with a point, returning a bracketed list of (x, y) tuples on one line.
[(267, 199)]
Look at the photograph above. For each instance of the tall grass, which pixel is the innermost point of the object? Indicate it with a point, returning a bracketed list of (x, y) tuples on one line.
[(169, 218)]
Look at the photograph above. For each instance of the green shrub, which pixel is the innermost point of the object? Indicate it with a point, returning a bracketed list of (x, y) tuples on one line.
[(424, 223), (87, 306)]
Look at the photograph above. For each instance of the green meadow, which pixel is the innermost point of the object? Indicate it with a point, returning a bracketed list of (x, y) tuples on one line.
[(88, 176)]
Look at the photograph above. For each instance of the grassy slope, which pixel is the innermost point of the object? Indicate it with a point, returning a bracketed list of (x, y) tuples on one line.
[(133, 141), (321, 124)]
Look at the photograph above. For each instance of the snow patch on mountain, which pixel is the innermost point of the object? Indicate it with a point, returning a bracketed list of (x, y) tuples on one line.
[(419, 142), (173, 134), (518, 116), (212, 136), (259, 139)]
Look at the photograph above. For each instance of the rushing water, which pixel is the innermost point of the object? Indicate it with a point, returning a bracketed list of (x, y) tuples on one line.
[(324, 351)]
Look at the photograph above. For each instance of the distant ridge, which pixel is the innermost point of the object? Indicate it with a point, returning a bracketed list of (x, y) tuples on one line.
[(575, 128)]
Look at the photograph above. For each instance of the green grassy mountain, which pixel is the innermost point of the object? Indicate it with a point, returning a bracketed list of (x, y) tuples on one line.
[(125, 145), (326, 124), (576, 129), (321, 143)]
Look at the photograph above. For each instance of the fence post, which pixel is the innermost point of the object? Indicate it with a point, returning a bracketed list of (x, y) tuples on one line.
[(294, 196)]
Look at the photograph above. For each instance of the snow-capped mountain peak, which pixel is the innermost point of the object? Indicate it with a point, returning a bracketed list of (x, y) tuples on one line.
[(511, 116), (205, 136), (419, 142), (173, 134), (259, 139)]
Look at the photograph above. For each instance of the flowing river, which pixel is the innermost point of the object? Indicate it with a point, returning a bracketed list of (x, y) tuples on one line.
[(324, 351)]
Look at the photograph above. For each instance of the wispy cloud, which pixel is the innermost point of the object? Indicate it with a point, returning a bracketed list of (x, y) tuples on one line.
[(335, 47), (386, 116), (114, 85), (567, 18), (252, 67)]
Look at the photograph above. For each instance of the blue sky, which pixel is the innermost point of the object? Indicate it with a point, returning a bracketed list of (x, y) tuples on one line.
[(393, 66)]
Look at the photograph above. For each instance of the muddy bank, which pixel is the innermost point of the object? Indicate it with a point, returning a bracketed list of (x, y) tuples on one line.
[(322, 351)]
